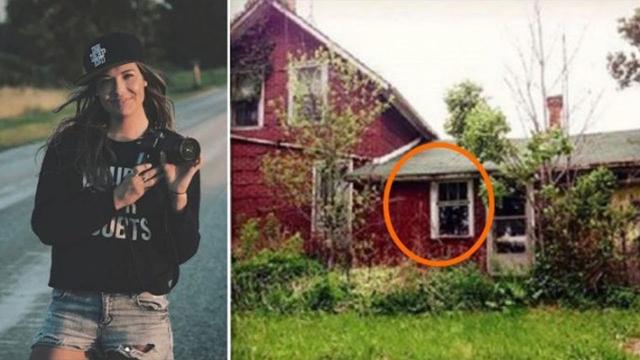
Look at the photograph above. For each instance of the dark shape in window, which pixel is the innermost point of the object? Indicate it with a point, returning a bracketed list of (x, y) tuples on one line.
[(453, 209), (246, 94), (510, 224), (454, 220)]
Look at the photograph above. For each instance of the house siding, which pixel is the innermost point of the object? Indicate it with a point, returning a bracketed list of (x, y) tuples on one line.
[(250, 196), (410, 213)]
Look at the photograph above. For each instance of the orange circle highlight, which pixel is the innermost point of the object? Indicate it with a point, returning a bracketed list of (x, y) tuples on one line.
[(387, 193)]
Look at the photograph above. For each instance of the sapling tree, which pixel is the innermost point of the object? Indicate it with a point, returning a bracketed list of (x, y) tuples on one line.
[(329, 108), (576, 230)]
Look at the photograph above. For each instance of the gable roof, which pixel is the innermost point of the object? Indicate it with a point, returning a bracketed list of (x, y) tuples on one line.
[(244, 20), (610, 149)]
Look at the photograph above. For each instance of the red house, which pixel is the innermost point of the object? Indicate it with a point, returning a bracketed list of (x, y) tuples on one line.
[(261, 37), (437, 212)]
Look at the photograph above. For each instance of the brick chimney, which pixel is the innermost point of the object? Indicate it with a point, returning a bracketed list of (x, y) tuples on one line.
[(554, 105)]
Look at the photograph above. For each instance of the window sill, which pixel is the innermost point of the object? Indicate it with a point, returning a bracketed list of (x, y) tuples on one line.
[(246, 128), (453, 237)]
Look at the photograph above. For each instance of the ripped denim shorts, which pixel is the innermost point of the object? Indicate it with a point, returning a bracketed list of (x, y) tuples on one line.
[(132, 326)]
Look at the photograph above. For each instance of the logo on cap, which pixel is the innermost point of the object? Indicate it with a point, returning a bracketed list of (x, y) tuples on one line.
[(97, 55)]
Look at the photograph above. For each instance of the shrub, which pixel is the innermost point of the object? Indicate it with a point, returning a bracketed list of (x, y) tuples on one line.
[(622, 298), (458, 288), (249, 238), (266, 279), (579, 262), (509, 292), (326, 293), (404, 300), (267, 233)]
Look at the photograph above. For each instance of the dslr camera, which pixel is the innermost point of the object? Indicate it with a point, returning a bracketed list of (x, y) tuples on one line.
[(175, 148)]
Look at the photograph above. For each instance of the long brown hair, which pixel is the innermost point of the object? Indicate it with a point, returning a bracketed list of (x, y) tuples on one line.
[(91, 122)]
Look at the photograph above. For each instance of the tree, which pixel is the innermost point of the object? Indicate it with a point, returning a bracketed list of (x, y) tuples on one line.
[(476, 126), (577, 230), (460, 100), (195, 30), (50, 35), (46, 38), (325, 120), (625, 68)]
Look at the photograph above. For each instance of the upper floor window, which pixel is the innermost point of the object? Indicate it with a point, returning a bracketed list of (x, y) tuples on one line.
[(308, 92), (247, 99), (452, 209)]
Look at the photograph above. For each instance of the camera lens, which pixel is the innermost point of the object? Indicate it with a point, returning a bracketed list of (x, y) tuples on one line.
[(189, 149)]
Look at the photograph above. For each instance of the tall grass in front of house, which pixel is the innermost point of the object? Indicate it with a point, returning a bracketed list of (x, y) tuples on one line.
[(289, 306), (542, 333), (26, 112), (272, 273)]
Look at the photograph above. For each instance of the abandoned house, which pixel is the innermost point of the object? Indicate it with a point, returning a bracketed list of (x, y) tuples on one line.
[(435, 205)]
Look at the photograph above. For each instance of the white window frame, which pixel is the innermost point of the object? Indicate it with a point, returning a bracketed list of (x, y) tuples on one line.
[(435, 213), (503, 263), (260, 113), (314, 226), (513, 238), (324, 68)]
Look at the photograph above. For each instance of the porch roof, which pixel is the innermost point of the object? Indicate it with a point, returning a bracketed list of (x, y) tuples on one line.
[(610, 149)]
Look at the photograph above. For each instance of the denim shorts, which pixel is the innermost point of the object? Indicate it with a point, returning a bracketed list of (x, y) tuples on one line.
[(134, 326)]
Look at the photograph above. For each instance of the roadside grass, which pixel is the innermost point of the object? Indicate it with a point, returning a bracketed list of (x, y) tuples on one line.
[(180, 82), (539, 333), (27, 115), (29, 127), (15, 101)]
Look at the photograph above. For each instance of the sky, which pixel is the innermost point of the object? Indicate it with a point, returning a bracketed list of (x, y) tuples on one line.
[(423, 48)]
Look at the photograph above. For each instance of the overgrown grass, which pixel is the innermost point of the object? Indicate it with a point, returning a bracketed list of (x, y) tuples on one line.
[(545, 333), (25, 113)]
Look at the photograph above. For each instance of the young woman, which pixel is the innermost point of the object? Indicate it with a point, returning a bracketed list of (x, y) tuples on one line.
[(119, 218)]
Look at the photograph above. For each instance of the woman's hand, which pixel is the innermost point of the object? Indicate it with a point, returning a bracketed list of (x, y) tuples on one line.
[(178, 178), (134, 185)]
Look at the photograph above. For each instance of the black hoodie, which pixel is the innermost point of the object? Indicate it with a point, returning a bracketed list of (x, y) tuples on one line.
[(95, 247)]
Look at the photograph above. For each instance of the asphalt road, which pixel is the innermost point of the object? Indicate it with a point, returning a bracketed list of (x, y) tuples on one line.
[(198, 303)]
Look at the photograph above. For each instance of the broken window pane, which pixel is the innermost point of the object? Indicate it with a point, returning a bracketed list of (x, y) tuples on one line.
[(510, 224), (506, 246), (510, 227), (246, 94)]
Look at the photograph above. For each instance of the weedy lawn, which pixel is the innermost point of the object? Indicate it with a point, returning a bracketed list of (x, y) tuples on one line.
[(543, 333)]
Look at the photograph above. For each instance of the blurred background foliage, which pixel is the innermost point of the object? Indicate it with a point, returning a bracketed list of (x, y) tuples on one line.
[(41, 41)]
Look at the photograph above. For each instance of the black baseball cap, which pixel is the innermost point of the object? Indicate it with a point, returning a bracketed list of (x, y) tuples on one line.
[(108, 51)]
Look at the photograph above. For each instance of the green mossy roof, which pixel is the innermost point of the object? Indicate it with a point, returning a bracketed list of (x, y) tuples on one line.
[(619, 148)]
